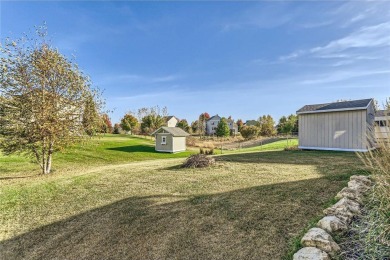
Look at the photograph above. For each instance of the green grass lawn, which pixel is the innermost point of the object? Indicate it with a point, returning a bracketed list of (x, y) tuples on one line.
[(278, 145), (104, 150), (248, 206)]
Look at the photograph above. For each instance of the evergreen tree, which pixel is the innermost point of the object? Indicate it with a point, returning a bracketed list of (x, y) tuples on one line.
[(195, 126), (183, 124), (223, 129), (116, 129)]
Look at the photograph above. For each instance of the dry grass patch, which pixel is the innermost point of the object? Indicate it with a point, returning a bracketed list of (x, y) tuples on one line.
[(247, 206)]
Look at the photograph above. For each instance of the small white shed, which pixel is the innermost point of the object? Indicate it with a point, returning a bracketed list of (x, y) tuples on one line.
[(339, 126), (170, 139)]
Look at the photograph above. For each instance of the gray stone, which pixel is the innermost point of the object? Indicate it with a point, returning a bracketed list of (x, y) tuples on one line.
[(311, 253), (361, 178), (353, 206), (344, 209), (317, 237), (350, 193), (332, 224), (358, 186), (342, 213)]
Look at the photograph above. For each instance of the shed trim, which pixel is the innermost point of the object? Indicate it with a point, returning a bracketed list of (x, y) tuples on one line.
[(171, 151), (335, 149), (332, 110)]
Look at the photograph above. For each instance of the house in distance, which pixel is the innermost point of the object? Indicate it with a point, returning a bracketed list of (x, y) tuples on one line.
[(171, 121), (382, 124), (170, 139), (339, 126), (212, 124)]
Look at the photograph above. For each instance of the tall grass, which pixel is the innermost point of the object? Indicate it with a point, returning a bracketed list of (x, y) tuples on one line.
[(372, 232)]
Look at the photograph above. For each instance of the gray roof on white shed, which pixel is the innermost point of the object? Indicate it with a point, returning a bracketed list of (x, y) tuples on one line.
[(336, 106), (175, 131)]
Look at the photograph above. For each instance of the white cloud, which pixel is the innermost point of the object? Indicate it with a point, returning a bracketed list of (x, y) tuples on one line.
[(341, 76), (370, 36), (262, 16), (316, 24), (292, 55)]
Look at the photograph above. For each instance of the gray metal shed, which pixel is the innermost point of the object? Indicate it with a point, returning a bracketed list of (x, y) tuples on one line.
[(170, 139), (339, 126)]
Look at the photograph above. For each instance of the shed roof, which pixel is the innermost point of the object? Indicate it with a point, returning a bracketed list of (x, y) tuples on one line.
[(336, 106), (175, 131)]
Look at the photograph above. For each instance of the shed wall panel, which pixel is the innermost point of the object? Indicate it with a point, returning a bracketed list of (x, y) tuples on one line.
[(341, 130), (179, 144), (168, 147)]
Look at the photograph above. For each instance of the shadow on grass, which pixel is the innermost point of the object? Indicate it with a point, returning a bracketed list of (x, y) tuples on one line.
[(134, 148), (252, 223), (16, 177), (288, 157)]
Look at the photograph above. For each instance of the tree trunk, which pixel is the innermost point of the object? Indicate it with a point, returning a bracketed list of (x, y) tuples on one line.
[(43, 162), (48, 163), (49, 157)]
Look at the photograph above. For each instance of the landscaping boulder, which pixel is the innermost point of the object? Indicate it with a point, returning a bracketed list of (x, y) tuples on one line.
[(361, 178), (345, 209), (353, 206), (350, 193), (317, 237), (342, 213), (332, 224), (358, 186), (311, 253)]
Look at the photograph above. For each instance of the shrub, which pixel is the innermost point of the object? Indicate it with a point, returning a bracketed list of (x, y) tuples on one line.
[(198, 161), (292, 148), (206, 151), (190, 141), (249, 132)]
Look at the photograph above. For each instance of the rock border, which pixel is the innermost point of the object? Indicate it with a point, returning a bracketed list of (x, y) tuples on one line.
[(318, 243)]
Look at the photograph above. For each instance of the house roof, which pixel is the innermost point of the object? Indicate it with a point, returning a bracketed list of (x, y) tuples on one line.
[(170, 117), (216, 117), (336, 106), (175, 131), (382, 113)]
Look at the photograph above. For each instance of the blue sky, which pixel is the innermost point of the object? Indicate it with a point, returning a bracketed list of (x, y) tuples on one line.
[(243, 59)]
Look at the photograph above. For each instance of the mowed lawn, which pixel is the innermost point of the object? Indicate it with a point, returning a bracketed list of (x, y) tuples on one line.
[(104, 150), (248, 206)]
